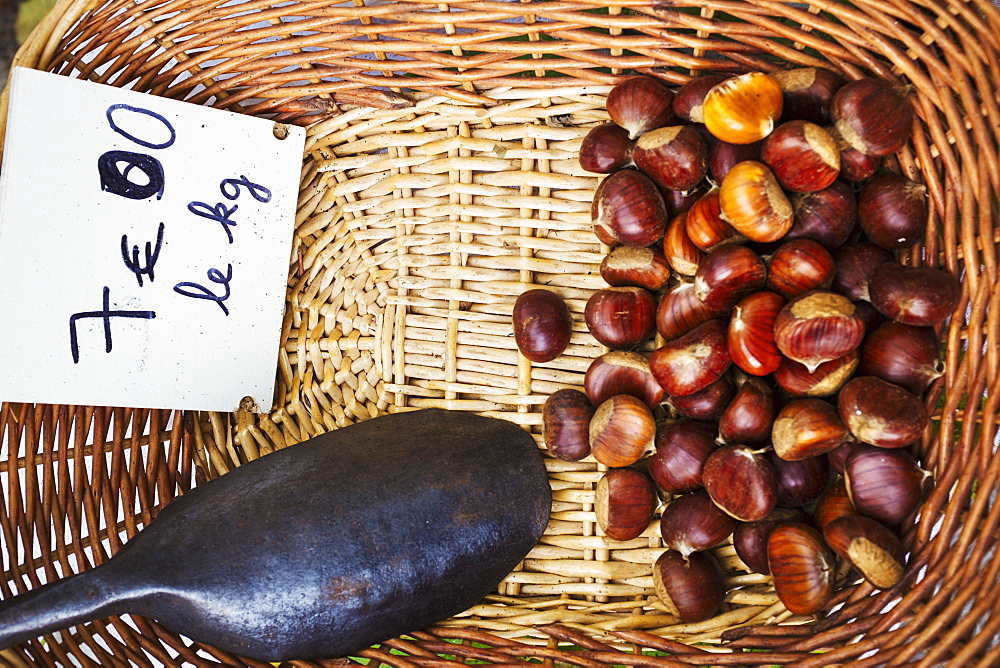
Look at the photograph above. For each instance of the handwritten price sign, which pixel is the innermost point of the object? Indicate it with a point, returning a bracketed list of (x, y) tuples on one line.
[(144, 248)]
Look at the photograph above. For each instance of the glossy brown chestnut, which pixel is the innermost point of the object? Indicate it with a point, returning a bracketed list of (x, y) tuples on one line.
[(621, 317), (750, 336), (886, 485), (605, 149), (680, 311), (675, 157), (872, 116), (749, 416), (838, 457), (542, 324), (750, 538), (707, 403), (802, 567), (807, 93), (704, 224), (826, 216), (693, 523), (801, 481), (905, 355), (870, 316), (744, 108), (678, 249), (802, 155), (741, 481), (624, 502), (727, 274), (693, 361), (692, 588), (628, 210), (880, 413), (870, 547), (818, 326), (566, 417), (679, 201), (855, 264), (724, 156), (621, 372), (855, 166), (640, 104), (919, 296), (825, 381), (892, 211), (753, 202), (833, 504), (807, 428), (621, 431), (681, 451), (798, 266), (690, 98), (641, 267)]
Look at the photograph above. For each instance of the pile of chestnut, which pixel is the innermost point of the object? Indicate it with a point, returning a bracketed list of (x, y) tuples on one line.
[(768, 352)]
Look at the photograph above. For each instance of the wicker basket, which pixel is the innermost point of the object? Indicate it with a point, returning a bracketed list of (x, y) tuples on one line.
[(439, 182)]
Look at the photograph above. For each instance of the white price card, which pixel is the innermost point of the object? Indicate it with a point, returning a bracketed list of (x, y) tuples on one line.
[(144, 248)]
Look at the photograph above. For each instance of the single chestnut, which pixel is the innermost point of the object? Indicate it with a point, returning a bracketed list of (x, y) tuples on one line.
[(902, 354), (856, 166), (743, 108), (675, 157), (566, 416), (818, 326), (798, 266), (833, 504), (802, 155), (693, 361), (892, 211), (542, 324), (727, 274), (628, 210), (640, 104), (692, 588), (919, 296), (880, 413), (641, 267), (707, 403), (750, 336), (724, 156), (621, 317), (749, 416), (680, 311), (872, 116), (826, 216), (624, 502), (678, 249), (801, 481), (886, 485), (855, 264), (806, 428), (621, 372), (870, 547), (693, 523), (621, 431), (605, 149), (754, 203), (705, 226), (681, 450), (807, 93), (741, 481), (824, 381), (803, 567), (689, 100), (750, 538)]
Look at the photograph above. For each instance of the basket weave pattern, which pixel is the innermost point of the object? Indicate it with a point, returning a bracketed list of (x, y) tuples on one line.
[(418, 225)]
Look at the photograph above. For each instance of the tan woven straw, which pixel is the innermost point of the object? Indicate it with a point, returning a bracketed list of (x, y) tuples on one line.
[(440, 180)]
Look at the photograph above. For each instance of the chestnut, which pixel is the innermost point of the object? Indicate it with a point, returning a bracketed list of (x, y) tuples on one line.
[(724, 156), (679, 201), (872, 116), (826, 216), (750, 336), (678, 249), (728, 273), (704, 224), (806, 428), (606, 149), (621, 431), (902, 354), (707, 403), (870, 547), (566, 417), (542, 325), (692, 588), (640, 104), (798, 266), (870, 316), (675, 157), (817, 326), (640, 267), (802, 567), (741, 481), (883, 484), (919, 296), (628, 210), (833, 504), (824, 381), (807, 93), (693, 361), (681, 451), (802, 155), (838, 457), (743, 108), (689, 99), (749, 416), (855, 264), (855, 166), (680, 311), (693, 523), (892, 211), (621, 317), (880, 413), (621, 372), (624, 502), (801, 481), (753, 202), (750, 538)]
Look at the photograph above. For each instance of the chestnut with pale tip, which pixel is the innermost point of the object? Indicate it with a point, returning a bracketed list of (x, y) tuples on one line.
[(807, 428), (693, 523), (741, 481), (692, 588), (744, 108), (542, 325), (919, 296), (640, 104), (606, 149), (639, 267), (816, 327), (566, 416), (802, 566), (880, 413), (693, 361), (628, 210), (870, 547), (754, 203), (807, 93), (824, 381), (624, 503), (680, 311), (689, 101), (621, 372), (621, 431), (872, 116), (802, 155), (680, 252), (675, 157)]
